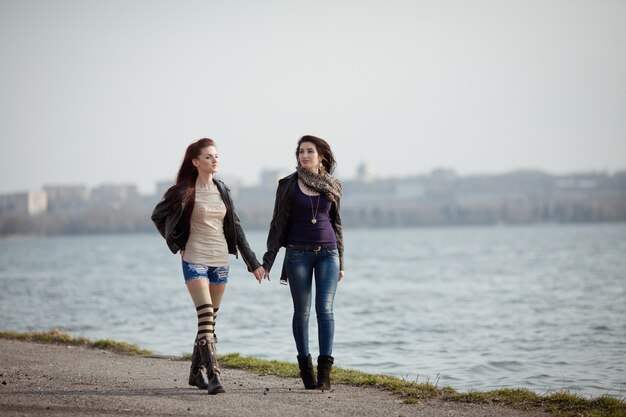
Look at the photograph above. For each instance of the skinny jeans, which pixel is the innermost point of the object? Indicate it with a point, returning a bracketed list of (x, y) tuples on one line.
[(302, 267)]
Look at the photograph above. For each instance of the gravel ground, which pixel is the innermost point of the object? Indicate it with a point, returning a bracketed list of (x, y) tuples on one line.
[(54, 380)]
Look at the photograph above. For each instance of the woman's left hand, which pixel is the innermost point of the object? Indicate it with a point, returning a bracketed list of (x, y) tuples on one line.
[(259, 273), (340, 275)]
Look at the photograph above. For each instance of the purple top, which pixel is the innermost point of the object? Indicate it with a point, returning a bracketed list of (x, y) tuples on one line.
[(301, 230)]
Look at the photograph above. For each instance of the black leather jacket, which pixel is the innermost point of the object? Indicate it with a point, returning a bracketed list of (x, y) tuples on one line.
[(169, 219), (279, 227)]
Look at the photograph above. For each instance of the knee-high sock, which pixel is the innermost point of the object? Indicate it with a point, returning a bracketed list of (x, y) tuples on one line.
[(215, 309), (204, 309)]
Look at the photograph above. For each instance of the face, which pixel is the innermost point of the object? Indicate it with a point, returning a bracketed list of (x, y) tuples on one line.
[(207, 162), (308, 157)]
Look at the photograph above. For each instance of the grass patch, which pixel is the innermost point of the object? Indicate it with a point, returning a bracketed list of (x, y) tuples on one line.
[(513, 396), (339, 375), (260, 366), (60, 337), (560, 404), (564, 404)]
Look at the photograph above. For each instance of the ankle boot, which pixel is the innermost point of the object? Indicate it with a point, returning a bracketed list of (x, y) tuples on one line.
[(324, 366), (197, 378), (206, 346), (307, 373)]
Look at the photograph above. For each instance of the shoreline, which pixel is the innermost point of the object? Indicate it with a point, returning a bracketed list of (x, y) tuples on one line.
[(65, 363)]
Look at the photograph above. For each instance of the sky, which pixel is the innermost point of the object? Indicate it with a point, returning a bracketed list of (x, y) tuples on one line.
[(112, 92)]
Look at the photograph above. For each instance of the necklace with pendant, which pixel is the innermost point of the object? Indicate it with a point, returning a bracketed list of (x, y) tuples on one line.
[(314, 214)]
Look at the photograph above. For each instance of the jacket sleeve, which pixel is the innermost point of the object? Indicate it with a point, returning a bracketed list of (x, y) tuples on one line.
[(339, 233), (160, 213), (164, 219), (273, 240)]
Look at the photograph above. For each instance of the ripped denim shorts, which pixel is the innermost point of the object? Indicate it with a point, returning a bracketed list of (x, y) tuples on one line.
[(215, 274)]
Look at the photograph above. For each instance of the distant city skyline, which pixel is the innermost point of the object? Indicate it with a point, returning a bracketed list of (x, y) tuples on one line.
[(436, 199), (99, 93), (264, 177)]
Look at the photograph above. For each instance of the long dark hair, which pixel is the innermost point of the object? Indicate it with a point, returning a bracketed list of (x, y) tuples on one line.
[(323, 148), (188, 173)]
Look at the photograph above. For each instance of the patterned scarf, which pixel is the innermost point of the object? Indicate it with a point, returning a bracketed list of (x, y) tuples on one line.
[(323, 183)]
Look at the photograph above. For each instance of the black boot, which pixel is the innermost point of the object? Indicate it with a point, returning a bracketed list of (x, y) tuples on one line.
[(196, 372), (324, 366), (307, 373), (206, 346)]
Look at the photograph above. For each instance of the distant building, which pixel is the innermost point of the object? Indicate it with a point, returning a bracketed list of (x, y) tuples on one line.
[(576, 183), (70, 198), (270, 177), (364, 173), (114, 195), (29, 203), (443, 174)]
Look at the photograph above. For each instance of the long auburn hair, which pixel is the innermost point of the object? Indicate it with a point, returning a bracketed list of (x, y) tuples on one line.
[(188, 173), (323, 148)]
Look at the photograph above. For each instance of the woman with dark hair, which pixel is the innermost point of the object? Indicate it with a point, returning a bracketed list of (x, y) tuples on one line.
[(197, 217), (306, 222)]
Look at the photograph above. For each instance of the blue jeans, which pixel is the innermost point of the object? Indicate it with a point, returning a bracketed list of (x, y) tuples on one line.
[(300, 268)]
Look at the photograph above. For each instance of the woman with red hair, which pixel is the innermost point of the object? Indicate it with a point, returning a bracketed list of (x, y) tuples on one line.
[(197, 217)]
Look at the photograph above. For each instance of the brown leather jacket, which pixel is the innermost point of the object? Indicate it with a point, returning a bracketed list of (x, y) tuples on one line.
[(172, 223), (279, 227)]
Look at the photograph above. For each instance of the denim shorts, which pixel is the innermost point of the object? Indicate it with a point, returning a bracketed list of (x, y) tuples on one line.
[(215, 274)]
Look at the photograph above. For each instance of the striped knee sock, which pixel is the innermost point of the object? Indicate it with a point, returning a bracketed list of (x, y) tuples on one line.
[(206, 320), (215, 322)]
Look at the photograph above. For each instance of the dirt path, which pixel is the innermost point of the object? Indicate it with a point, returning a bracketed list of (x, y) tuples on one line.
[(52, 380)]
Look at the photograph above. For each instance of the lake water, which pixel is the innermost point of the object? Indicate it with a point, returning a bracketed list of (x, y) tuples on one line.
[(477, 308)]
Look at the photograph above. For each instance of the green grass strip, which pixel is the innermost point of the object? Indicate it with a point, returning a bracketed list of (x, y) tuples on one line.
[(560, 404), (61, 337)]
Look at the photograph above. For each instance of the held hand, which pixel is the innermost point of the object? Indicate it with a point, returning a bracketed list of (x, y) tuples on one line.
[(259, 274), (340, 275)]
